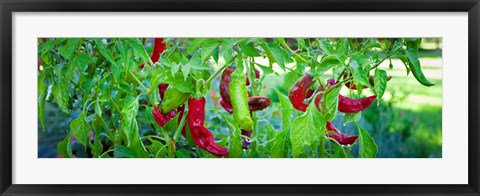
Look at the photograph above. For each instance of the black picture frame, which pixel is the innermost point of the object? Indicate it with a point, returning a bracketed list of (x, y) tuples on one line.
[(10, 6)]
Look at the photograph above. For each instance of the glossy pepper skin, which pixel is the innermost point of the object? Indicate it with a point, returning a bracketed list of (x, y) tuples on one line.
[(299, 92), (348, 105), (239, 99), (371, 80), (200, 134), (341, 137), (173, 99)]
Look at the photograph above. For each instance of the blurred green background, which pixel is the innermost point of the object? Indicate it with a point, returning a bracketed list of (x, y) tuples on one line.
[(407, 122)]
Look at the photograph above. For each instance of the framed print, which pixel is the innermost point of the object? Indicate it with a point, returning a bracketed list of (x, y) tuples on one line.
[(264, 97)]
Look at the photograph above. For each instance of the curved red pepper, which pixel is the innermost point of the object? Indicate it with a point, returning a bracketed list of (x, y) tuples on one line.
[(299, 92), (348, 105), (200, 134), (339, 136)]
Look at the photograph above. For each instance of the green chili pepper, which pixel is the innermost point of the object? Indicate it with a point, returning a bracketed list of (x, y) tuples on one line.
[(239, 99), (173, 98)]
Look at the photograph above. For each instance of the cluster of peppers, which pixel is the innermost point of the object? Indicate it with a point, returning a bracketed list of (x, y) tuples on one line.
[(236, 99), (300, 94)]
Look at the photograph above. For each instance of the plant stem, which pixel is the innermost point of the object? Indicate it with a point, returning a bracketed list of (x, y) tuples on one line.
[(181, 124), (388, 56), (295, 53), (219, 71)]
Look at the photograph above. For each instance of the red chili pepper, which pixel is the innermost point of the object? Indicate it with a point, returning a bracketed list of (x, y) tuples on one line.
[(348, 105), (200, 134), (341, 137), (299, 92), (158, 47)]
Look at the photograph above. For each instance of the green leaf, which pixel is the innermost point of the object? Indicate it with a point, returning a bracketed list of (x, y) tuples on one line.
[(306, 130), (281, 144), (182, 153), (139, 49), (194, 45), (331, 103), (179, 82), (248, 49), (277, 54), (64, 147), (235, 147), (227, 49), (367, 147), (129, 127), (326, 63), (352, 117), (123, 152), (68, 49), (289, 79), (61, 94), (208, 48), (129, 121), (271, 58), (80, 62), (81, 129), (324, 44), (380, 82), (360, 76), (342, 46), (287, 109), (42, 95), (414, 66)]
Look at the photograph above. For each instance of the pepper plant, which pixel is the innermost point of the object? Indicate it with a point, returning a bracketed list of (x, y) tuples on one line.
[(148, 97)]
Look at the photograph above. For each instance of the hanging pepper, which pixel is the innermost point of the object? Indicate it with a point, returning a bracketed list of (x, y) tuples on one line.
[(348, 105), (158, 48), (257, 103), (339, 136), (239, 99), (200, 134), (225, 83), (173, 99), (299, 92)]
